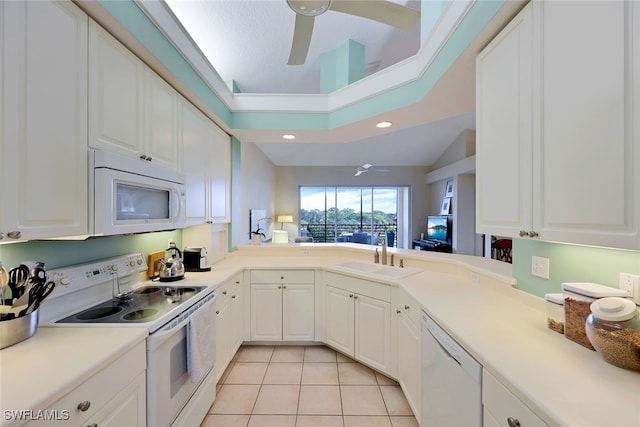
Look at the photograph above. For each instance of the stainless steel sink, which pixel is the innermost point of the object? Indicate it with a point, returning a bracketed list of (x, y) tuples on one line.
[(377, 269)]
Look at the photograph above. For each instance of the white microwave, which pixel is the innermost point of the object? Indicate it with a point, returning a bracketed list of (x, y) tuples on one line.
[(128, 195)]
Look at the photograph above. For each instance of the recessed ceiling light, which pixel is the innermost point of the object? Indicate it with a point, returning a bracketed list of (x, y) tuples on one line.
[(383, 124), (288, 136)]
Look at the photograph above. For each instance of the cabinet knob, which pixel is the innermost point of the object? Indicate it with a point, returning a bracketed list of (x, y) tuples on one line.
[(533, 234), (217, 311), (281, 277), (233, 296), (237, 282), (350, 295), (93, 425), (84, 406), (149, 158), (14, 234), (398, 311), (406, 307), (355, 297), (279, 287), (523, 233), (224, 292), (284, 287), (143, 157), (513, 422)]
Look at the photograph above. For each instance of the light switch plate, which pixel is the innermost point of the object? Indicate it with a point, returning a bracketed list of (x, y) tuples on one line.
[(540, 267), (630, 283)]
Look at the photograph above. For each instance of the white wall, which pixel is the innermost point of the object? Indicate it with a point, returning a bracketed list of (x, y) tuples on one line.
[(258, 189), (290, 178)]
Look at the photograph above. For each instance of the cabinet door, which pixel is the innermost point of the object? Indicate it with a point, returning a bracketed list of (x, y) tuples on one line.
[(504, 130), (588, 147), (236, 319), (161, 121), (116, 93), (266, 312), (339, 320), (195, 156), (220, 178), (43, 125), (127, 408), (373, 332), (223, 347), (298, 312), (409, 370)]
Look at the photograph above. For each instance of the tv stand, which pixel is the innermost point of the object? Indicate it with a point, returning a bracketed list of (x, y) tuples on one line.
[(432, 245)]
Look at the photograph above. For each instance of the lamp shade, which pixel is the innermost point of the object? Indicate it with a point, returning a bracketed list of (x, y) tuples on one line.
[(285, 218)]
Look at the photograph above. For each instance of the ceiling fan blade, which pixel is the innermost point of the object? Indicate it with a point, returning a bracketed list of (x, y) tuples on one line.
[(301, 39), (380, 10), (359, 172), (367, 165)]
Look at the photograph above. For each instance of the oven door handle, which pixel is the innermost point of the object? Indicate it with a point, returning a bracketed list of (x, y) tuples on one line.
[(165, 333)]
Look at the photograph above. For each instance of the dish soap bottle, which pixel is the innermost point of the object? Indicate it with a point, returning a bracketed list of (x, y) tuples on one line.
[(376, 257), (384, 252)]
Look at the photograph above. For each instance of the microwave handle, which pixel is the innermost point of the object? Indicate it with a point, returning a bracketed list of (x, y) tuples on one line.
[(178, 202)]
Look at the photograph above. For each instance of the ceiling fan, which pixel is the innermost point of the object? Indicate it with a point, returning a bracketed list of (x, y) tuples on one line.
[(383, 11), (366, 168)]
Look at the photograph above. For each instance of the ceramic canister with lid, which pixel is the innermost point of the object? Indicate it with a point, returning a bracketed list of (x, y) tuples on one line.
[(554, 305), (578, 297), (613, 327)]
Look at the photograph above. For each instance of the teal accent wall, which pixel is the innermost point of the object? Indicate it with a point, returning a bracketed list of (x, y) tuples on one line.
[(430, 11), (61, 253), (234, 234), (342, 66), (127, 13), (570, 263)]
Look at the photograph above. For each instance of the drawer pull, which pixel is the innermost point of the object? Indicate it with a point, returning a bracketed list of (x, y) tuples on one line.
[(14, 234), (355, 297), (406, 307), (513, 422), (84, 406), (93, 425), (350, 295), (237, 282), (233, 296), (224, 292), (398, 311)]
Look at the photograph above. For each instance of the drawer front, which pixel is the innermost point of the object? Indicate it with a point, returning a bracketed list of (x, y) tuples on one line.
[(282, 276), (502, 405), (359, 286), (98, 390), (410, 307)]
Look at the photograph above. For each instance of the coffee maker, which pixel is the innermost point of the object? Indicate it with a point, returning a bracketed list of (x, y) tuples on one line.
[(195, 259)]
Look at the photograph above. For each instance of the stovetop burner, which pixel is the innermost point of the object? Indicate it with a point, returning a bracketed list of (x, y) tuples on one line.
[(146, 304)]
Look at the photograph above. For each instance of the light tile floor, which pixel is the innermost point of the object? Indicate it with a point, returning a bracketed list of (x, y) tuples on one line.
[(305, 386)]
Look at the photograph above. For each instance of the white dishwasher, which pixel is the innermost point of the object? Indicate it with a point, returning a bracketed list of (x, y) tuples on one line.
[(451, 380)]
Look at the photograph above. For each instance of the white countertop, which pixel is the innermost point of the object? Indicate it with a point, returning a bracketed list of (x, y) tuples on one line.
[(38, 371), (472, 298)]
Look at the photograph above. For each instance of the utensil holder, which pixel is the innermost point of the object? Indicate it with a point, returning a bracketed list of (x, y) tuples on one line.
[(15, 330)]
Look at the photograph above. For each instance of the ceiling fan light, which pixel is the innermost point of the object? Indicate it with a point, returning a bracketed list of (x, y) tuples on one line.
[(309, 7), (288, 136)]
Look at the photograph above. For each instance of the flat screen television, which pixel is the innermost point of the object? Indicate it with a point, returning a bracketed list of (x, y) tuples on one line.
[(439, 228)]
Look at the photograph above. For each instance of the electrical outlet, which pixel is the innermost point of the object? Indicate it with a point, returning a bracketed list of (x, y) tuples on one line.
[(631, 284), (540, 267)]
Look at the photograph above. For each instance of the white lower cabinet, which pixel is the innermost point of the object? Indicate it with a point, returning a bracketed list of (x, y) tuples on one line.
[(502, 408), (282, 305), (229, 316), (409, 369), (358, 320), (115, 396)]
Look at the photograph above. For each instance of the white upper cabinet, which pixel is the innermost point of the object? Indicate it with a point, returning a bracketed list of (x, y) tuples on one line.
[(205, 158), (43, 124), (504, 130), (557, 145), (132, 111)]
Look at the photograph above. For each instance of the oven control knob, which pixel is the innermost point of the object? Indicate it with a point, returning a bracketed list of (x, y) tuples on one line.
[(65, 281), (113, 267), (139, 262)]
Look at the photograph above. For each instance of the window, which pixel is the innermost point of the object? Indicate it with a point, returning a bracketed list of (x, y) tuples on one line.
[(353, 214)]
